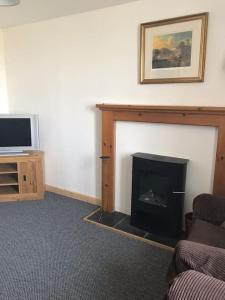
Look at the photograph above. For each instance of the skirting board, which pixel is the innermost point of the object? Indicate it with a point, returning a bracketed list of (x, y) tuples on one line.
[(78, 196)]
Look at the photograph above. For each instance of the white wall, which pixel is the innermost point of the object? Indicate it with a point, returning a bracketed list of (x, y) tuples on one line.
[(61, 68), (3, 83)]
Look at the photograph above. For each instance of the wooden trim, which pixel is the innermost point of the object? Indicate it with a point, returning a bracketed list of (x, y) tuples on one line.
[(162, 109), (21, 197), (74, 195), (108, 136), (129, 235), (182, 115), (92, 213)]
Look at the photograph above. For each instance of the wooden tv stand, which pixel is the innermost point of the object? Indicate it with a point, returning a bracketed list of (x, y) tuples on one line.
[(21, 177)]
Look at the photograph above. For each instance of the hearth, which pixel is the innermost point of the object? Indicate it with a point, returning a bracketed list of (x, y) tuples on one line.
[(158, 186)]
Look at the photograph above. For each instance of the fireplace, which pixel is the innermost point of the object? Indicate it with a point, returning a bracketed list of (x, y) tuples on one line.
[(183, 115), (158, 186)]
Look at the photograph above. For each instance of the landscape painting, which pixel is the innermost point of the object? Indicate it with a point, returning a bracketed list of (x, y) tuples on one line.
[(172, 50)]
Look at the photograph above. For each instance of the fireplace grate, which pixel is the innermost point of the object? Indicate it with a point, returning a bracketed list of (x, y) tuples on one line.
[(154, 199)]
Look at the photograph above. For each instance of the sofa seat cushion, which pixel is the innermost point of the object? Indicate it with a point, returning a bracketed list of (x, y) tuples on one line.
[(192, 285), (199, 257), (207, 233)]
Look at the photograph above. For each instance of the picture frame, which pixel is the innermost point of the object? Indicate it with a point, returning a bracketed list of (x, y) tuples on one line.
[(173, 50)]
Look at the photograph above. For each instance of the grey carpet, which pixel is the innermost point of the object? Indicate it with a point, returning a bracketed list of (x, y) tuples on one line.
[(48, 252)]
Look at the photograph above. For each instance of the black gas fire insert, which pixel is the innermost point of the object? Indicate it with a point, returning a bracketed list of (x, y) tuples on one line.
[(158, 185)]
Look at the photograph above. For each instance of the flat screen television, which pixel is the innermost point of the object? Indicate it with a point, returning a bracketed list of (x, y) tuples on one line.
[(18, 133)]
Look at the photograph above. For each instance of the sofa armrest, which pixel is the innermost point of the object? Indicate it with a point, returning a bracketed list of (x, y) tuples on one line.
[(192, 285), (199, 257), (209, 208)]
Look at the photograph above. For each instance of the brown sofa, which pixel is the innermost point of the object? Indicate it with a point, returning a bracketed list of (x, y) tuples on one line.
[(203, 253)]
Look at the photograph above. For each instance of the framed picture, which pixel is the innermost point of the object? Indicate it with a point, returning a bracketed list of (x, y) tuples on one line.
[(173, 50)]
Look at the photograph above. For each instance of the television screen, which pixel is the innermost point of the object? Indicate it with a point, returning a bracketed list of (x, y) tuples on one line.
[(15, 132)]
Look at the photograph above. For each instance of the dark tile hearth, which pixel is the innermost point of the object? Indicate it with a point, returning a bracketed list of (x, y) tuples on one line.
[(127, 227), (109, 219), (121, 221), (162, 239)]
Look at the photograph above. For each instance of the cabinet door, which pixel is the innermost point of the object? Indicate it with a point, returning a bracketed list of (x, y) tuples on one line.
[(27, 177)]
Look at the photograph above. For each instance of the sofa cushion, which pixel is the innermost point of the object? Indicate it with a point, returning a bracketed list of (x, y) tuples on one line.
[(192, 285), (209, 208), (199, 257), (207, 233)]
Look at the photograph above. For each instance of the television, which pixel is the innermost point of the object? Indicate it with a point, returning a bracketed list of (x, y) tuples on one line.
[(18, 133)]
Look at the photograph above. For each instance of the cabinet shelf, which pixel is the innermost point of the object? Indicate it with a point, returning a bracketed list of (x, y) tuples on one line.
[(8, 168), (9, 190), (8, 179)]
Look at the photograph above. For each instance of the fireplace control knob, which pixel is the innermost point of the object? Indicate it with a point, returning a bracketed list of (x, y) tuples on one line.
[(178, 192)]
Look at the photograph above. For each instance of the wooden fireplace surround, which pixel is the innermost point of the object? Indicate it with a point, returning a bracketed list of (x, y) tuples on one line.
[(183, 115)]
